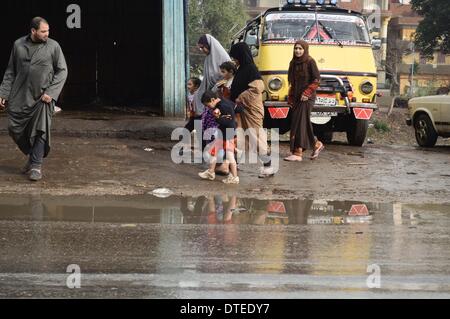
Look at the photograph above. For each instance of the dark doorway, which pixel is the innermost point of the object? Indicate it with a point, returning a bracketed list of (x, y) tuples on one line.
[(114, 59)]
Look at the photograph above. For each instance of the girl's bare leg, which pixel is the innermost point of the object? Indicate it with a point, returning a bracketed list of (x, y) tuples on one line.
[(232, 163), (212, 164)]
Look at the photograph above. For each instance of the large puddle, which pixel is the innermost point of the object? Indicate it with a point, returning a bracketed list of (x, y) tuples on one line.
[(221, 247), (214, 210)]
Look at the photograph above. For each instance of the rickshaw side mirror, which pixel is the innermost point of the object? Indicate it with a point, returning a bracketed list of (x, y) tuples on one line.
[(376, 44)]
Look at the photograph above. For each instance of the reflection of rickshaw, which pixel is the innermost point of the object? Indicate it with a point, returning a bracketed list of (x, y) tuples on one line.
[(340, 43), (277, 213), (339, 213), (231, 210)]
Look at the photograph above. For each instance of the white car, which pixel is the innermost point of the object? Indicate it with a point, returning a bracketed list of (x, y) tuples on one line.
[(430, 116)]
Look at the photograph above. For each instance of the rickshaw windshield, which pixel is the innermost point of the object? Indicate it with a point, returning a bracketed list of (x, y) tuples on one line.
[(288, 26)]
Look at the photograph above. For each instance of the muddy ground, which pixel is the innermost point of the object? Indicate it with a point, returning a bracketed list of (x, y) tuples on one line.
[(393, 169)]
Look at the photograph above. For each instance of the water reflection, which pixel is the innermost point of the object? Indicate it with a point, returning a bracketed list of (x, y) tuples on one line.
[(113, 236), (213, 210), (221, 209)]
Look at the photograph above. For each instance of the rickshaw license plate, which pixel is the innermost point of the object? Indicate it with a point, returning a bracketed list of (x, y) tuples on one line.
[(326, 100)]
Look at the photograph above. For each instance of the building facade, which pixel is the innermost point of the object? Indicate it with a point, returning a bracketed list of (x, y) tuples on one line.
[(411, 73), (415, 74)]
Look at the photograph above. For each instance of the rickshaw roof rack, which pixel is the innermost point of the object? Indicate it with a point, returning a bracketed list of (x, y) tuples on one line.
[(310, 3), (310, 7)]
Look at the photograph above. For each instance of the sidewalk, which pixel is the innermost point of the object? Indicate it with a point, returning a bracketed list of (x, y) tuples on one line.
[(108, 125)]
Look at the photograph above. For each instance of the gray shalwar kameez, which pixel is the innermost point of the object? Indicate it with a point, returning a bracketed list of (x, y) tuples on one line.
[(34, 69)]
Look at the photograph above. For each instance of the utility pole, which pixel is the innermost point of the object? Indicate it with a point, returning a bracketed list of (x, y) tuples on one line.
[(413, 49)]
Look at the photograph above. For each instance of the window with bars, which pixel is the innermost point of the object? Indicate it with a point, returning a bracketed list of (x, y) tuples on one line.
[(252, 3)]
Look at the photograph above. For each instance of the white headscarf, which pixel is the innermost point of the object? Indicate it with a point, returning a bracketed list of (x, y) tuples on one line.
[(211, 71)]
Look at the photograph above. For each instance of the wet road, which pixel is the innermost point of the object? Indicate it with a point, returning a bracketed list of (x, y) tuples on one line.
[(222, 247)]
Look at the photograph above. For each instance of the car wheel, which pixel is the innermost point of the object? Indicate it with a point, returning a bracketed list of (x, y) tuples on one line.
[(426, 135)]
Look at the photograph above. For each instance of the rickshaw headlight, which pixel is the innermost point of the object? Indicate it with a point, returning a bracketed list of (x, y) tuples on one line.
[(275, 84), (366, 87)]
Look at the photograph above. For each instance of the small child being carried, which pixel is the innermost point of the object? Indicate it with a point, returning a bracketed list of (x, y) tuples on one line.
[(223, 87), (224, 145)]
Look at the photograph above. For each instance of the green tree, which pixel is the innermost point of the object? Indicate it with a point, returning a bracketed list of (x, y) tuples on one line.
[(220, 18), (434, 30)]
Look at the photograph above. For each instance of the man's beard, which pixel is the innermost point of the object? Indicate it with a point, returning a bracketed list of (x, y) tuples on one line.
[(39, 40)]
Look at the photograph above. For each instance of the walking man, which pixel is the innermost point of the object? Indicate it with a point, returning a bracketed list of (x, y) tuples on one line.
[(32, 83)]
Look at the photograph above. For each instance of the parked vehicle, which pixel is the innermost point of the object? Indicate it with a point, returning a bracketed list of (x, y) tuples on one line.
[(430, 117), (340, 43)]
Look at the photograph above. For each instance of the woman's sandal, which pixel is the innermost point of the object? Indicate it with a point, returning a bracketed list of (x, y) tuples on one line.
[(315, 154), (294, 158)]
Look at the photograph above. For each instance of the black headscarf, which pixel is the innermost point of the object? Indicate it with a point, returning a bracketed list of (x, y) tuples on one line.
[(298, 65), (247, 72)]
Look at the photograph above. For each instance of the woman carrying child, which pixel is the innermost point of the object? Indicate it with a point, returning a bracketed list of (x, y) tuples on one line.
[(215, 56)]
